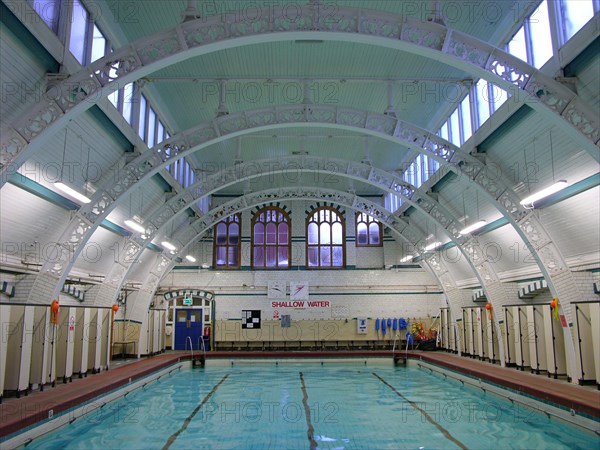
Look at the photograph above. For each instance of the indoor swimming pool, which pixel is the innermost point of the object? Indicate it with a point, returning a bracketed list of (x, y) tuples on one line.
[(307, 405)]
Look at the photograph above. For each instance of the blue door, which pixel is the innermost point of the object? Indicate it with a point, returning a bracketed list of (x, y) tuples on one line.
[(188, 323)]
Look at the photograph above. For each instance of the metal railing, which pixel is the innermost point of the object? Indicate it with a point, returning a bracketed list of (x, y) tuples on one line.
[(203, 346), (189, 338)]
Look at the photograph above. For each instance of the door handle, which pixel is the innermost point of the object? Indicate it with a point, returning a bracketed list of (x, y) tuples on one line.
[(188, 323)]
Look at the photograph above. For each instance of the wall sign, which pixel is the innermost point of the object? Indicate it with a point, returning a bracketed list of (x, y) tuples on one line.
[(361, 325), (251, 319)]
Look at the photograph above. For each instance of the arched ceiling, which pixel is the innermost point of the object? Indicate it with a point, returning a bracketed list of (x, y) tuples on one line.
[(337, 74)]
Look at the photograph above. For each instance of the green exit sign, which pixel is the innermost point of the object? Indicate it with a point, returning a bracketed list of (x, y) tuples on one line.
[(187, 302)]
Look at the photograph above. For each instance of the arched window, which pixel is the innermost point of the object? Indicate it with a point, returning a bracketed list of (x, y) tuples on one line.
[(227, 247), (271, 241), (325, 236), (368, 231)]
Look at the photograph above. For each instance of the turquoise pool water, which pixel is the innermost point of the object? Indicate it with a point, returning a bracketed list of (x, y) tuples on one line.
[(308, 405)]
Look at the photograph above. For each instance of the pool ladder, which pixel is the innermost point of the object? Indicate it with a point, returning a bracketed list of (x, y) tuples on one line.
[(399, 359), (199, 359)]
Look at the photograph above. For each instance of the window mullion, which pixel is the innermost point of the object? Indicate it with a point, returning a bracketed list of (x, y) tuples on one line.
[(64, 27), (88, 39), (556, 26), (528, 42), (135, 106)]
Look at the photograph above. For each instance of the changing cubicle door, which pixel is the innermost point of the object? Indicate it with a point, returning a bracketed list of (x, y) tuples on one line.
[(522, 343), (520, 347), (41, 347), (4, 322), (585, 349), (509, 340), (595, 325), (150, 342), (444, 328), (491, 337), (536, 338), (467, 332), (80, 344), (18, 352), (163, 325), (64, 344), (482, 332), (156, 341), (93, 342), (143, 343), (555, 344), (476, 332), (106, 337)]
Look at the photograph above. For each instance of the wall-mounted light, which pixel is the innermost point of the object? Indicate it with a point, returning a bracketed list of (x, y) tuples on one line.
[(190, 258), (407, 258)]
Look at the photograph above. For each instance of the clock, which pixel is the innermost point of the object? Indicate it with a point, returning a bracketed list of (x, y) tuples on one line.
[(276, 289), (298, 291)]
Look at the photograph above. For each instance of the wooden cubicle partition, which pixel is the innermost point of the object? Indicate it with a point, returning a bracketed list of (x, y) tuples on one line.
[(587, 341), (536, 338)]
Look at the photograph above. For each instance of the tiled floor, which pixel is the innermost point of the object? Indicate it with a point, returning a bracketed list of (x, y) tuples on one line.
[(16, 414)]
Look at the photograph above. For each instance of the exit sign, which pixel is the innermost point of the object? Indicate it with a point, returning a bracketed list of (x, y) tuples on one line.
[(187, 302)]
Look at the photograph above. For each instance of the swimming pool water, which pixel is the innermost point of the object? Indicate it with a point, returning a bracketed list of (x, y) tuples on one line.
[(307, 405)]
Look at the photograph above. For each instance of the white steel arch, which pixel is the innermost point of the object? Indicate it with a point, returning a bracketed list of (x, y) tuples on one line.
[(205, 35)]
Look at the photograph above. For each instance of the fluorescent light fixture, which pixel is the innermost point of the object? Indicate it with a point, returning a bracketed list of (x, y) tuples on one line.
[(190, 258), (168, 245), (476, 226), (72, 192), (432, 246), (559, 185), (135, 226), (407, 258)]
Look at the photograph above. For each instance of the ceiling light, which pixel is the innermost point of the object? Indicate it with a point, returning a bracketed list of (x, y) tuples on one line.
[(559, 185), (407, 258), (135, 226), (168, 245), (476, 226), (72, 192), (432, 246), (190, 258)]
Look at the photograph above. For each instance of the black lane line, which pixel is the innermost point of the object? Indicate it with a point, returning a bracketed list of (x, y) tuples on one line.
[(311, 430), (187, 421), (445, 432)]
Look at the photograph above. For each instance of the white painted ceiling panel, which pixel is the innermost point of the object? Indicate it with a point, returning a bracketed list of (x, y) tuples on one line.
[(23, 77), (573, 223), (26, 218)]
